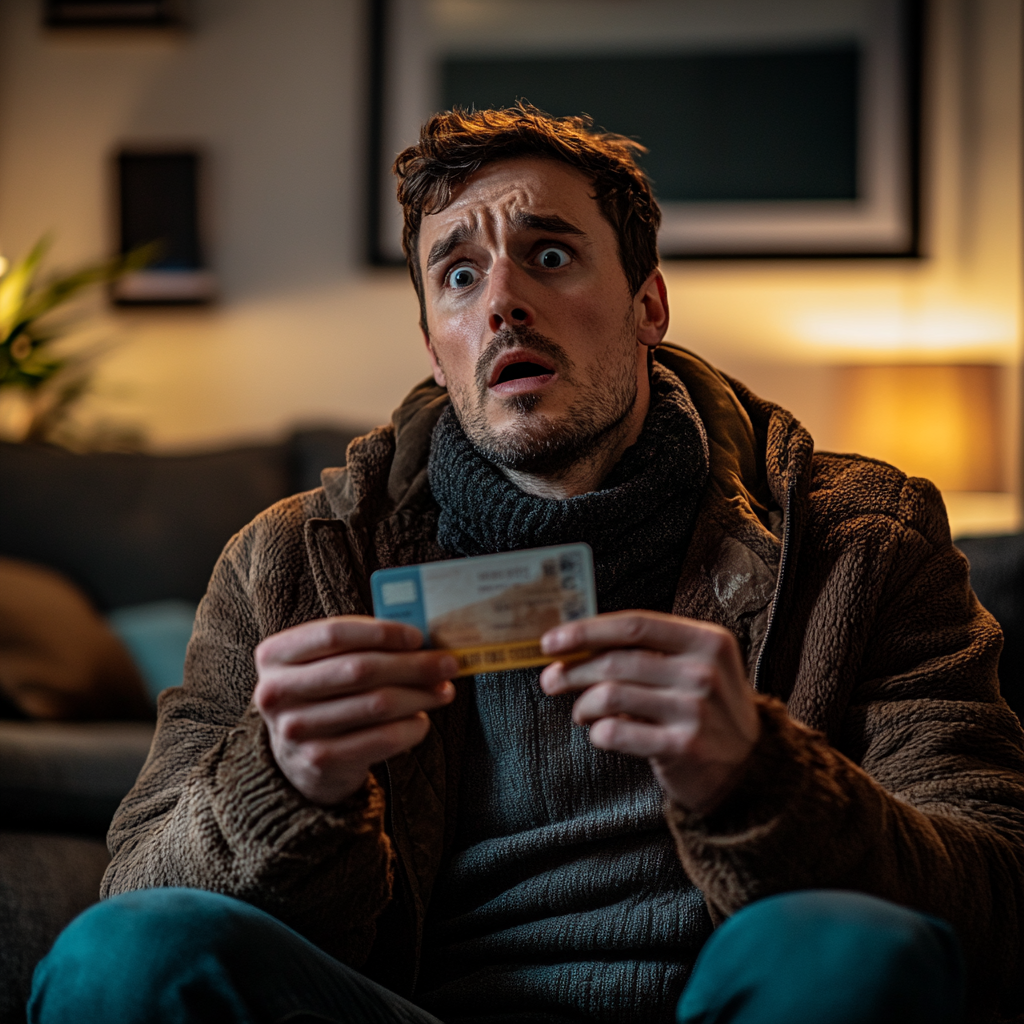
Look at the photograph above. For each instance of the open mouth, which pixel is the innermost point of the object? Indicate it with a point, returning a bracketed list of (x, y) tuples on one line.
[(516, 371)]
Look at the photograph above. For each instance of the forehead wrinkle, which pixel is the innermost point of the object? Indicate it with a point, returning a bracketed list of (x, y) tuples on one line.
[(469, 228), (506, 203)]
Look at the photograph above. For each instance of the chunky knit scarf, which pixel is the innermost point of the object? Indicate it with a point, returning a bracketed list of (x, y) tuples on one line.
[(638, 523)]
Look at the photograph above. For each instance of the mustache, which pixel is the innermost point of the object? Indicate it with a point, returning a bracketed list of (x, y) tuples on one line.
[(513, 337)]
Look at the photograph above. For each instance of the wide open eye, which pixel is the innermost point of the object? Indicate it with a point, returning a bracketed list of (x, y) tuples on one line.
[(462, 277), (552, 258)]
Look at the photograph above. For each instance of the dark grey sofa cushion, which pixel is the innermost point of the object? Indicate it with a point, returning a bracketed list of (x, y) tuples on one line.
[(68, 776), (45, 882), (133, 528), (997, 575)]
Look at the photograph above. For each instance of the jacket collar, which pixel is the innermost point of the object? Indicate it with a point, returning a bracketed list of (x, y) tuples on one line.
[(748, 526), (387, 468)]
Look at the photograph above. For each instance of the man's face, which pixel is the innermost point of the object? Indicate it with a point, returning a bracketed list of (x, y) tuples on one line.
[(532, 326)]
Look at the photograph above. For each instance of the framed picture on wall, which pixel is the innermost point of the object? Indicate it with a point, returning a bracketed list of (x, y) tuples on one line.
[(772, 127), (159, 202)]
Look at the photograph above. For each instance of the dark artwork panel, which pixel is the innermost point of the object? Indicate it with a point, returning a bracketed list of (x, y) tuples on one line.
[(112, 13), (159, 203), (755, 126)]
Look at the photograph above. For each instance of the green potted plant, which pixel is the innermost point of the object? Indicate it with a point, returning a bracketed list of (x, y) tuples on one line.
[(43, 374)]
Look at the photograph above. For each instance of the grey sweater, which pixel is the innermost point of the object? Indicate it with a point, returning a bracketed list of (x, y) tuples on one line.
[(566, 897)]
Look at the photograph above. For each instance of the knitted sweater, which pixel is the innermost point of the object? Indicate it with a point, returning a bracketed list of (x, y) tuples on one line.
[(887, 762)]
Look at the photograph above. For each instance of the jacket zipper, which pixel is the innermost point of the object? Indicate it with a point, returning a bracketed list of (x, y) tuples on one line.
[(787, 535)]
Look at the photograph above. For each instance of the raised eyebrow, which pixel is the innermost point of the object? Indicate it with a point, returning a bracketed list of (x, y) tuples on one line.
[(444, 247), (555, 225)]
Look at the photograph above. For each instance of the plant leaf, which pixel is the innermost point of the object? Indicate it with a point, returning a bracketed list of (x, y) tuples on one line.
[(14, 286), (61, 289)]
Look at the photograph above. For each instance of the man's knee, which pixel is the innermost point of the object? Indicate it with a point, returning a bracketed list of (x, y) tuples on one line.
[(126, 951), (816, 952), (838, 921)]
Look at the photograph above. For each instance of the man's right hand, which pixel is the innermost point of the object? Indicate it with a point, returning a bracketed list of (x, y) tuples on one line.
[(341, 694)]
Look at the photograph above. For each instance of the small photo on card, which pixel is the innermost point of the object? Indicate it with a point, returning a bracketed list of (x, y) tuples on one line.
[(490, 611)]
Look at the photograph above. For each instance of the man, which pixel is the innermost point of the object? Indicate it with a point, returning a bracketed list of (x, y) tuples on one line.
[(789, 721)]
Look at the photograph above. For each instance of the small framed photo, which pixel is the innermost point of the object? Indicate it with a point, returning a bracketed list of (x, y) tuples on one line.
[(159, 202), (772, 127)]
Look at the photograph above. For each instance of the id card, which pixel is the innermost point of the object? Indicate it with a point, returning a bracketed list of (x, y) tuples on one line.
[(491, 611)]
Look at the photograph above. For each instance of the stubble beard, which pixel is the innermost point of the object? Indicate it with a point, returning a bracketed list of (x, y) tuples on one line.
[(534, 443)]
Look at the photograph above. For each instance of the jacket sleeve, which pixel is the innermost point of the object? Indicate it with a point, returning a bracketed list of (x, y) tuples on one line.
[(925, 806), (211, 809)]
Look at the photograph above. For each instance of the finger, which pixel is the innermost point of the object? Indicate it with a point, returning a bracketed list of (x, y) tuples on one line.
[(642, 739), (651, 668), (322, 638), (366, 746), (652, 630), (662, 706), (363, 711), (288, 686)]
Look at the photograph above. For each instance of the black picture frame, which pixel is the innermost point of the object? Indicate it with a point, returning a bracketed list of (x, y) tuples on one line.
[(879, 218), (159, 199)]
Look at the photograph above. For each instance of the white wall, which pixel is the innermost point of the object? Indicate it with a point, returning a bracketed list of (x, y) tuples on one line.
[(274, 91)]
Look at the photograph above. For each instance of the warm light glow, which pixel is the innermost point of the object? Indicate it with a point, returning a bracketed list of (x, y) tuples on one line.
[(902, 329), (3, 266), (942, 422), (982, 513)]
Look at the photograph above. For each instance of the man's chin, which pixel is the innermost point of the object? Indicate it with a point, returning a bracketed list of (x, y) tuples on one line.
[(535, 455), (536, 444), (516, 407), (534, 433)]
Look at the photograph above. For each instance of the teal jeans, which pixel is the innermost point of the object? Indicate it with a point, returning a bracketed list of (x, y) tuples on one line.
[(183, 956)]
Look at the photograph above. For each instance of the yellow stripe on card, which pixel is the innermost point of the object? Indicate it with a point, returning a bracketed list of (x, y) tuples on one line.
[(503, 657)]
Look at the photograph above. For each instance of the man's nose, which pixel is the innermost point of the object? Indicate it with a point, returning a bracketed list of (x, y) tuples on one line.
[(508, 305)]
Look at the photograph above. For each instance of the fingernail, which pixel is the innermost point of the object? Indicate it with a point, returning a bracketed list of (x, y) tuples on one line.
[(448, 665), (445, 691), (549, 678), (552, 641)]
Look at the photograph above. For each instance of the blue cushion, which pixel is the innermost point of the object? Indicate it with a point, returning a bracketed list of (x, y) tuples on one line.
[(156, 634)]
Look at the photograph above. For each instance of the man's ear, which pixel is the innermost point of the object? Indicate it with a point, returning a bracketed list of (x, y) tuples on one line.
[(651, 309), (435, 365)]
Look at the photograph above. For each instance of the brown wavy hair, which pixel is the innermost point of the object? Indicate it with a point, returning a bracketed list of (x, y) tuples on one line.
[(455, 144)]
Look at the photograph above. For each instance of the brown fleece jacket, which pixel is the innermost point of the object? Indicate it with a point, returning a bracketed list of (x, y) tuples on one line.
[(888, 762)]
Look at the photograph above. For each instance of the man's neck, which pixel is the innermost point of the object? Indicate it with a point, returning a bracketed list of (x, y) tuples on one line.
[(590, 472)]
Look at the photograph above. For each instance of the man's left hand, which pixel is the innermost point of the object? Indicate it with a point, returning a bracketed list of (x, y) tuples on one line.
[(670, 689)]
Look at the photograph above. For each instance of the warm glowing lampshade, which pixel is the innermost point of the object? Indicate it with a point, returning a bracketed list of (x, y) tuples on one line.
[(945, 423)]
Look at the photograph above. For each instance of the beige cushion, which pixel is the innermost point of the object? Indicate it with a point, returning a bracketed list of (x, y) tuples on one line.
[(58, 658)]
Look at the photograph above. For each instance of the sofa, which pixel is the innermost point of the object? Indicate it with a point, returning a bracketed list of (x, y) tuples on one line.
[(137, 536), (134, 537), (997, 575)]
